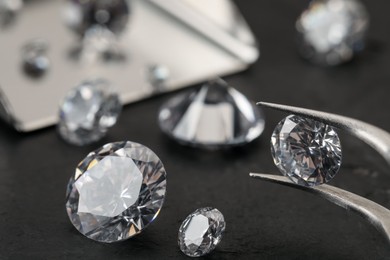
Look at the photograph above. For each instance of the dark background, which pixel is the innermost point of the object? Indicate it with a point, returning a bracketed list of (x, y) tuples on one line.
[(264, 220)]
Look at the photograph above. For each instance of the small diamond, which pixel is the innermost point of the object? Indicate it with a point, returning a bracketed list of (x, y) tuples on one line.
[(35, 60), (157, 76), (214, 116), (305, 150), (9, 10), (201, 232), (331, 31), (88, 111), (81, 15), (99, 42), (116, 192)]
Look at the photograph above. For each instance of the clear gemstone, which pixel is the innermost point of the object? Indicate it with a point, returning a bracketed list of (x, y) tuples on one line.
[(35, 60), (305, 150), (331, 31), (201, 232), (88, 111), (81, 15), (9, 10), (214, 116), (116, 192), (157, 76), (97, 43)]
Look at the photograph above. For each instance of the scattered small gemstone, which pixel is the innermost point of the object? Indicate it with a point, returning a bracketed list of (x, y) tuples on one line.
[(157, 76), (201, 232), (9, 10), (81, 15), (35, 60), (88, 111)]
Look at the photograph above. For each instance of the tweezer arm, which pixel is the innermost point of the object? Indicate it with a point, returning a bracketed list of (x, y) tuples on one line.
[(375, 137), (377, 215)]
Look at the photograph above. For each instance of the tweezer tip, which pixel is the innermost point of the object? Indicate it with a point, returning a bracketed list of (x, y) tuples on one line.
[(274, 106), (261, 103), (255, 175)]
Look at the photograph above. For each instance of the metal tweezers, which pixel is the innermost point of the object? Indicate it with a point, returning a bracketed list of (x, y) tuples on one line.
[(377, 138)]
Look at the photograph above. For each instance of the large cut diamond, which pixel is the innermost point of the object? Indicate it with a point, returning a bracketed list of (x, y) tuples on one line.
[(307, 151), (116, 192), (201, 232), (82, 15), (331, 31), (215, 115), (88, 111)]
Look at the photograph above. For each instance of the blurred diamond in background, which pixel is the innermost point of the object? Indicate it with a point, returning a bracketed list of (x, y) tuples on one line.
[(35, 59), (81, 15), (214, 116), (8, 11), (332, 31), (88, 111)]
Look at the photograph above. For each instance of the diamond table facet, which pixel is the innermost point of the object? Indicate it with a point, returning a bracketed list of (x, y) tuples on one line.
[(305, 150), (88, 111), (116, 192), (331, 31), (108, 189), (201, 232), (214, 116)]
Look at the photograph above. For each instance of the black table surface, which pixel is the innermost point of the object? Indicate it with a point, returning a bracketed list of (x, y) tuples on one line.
[(264, 220)]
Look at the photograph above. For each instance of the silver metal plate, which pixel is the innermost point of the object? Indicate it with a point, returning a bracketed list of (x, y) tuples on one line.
[(194, 39)]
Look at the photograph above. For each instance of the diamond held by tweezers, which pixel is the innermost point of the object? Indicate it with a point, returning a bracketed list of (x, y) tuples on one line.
[(305, 150)]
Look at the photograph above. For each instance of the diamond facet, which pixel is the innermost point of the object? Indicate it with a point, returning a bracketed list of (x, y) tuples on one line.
[(88, 111), (331, 31), (81, 15), (305, 150), (116, 192), (201, 232), (214, 116)]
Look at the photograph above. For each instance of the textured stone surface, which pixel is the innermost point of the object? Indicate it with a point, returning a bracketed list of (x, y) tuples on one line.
[(201, 232), (88, 111), (213, 116), (307, 151), (116, 192), (331, 31)]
